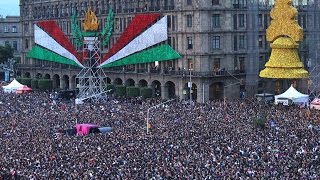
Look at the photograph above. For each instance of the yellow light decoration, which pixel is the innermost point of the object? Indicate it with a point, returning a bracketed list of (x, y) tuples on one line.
[(283, 33), (283, 22), (91, 22)]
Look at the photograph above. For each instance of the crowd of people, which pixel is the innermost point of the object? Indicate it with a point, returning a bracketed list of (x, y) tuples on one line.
[(214, 140)]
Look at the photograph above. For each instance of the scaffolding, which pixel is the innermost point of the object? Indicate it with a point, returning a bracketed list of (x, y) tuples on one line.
[(92, 82)]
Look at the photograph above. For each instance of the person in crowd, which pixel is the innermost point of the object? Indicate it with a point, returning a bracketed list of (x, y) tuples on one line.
[(214, 140)]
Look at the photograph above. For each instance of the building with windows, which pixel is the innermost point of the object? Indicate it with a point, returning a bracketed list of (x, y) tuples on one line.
[(222, 44), (10, 33)]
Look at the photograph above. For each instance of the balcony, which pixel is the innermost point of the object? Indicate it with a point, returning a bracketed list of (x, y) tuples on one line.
[(152, 71), (154, 8), (223, 73), (168, 7), (46, 67), (239, 6)]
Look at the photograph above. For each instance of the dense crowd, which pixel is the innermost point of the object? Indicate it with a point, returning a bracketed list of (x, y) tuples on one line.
[(215, 140)]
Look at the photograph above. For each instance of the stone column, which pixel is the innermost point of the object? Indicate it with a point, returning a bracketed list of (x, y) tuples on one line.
[(164, 92), (202, 92), (62, 83), (72, 83), (149, 67), (136, 68), (161, 67)]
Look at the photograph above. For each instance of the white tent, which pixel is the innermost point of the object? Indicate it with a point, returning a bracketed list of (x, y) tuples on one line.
[(292, 95), (12, 87)]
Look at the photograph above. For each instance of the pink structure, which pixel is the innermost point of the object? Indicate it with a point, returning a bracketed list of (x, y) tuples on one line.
[(84, 129)]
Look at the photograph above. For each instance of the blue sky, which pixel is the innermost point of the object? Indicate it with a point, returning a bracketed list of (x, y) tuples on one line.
[(9, 8)]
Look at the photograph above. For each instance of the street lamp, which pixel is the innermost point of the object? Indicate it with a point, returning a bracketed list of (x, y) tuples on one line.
[(190, 87)]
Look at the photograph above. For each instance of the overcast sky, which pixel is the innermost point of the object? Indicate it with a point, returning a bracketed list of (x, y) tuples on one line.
[(9, 8)]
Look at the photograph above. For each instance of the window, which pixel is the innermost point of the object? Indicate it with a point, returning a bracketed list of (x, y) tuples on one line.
[(169, 21), (260, 41), (243, 3), (14, 29), (235, 43), (121, 24), (117, 24), (26, 12), (216, 42), (277, 87), (241, 20), (242, 64), (189, 2), (235, 63), (260, 20), (6, 29), (15, 45), (189, 20), (190, 64), (6, 43), (173, 23), (189, 42), (242, 41), (302, 21), (173, 42), (129, 20), (266, 20), (64, 26), (216, 64), (169, 41), (216, 20), (26, 44), (261, 62), (26, 27), (235, 23), (239, 4), (215, 2)]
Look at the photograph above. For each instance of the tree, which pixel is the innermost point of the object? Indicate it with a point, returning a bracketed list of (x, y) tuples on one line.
[(6, 53), (261, 121), (45, 84)]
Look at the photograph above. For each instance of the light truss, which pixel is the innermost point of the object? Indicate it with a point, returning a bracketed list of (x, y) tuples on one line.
[(92, 79)]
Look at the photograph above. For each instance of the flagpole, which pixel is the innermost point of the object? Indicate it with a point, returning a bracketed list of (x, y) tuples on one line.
[(148, 120)]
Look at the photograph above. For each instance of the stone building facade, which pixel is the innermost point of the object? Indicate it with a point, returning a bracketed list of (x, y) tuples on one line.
[(11, 33), (222, 45)]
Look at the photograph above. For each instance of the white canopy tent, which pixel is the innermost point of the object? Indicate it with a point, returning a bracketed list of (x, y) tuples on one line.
[(12, 87), (293, 95)]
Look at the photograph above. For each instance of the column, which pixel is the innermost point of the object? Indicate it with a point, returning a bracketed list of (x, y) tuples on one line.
[(164, 92), (72, 83), (149, 67), (62, 84), (161, 67)]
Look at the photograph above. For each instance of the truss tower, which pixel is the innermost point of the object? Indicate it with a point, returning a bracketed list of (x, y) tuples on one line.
[(92, 79)]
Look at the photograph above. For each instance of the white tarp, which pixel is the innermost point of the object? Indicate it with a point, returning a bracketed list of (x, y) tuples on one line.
[(12, 87), (295, 96)]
